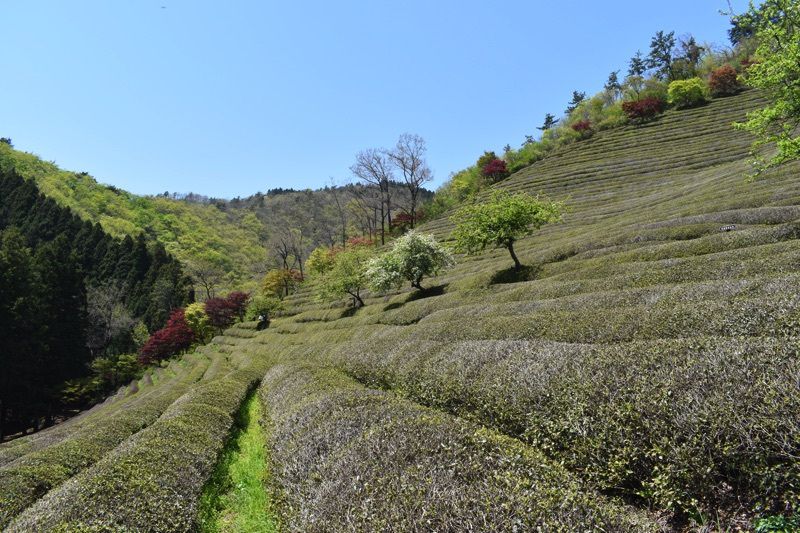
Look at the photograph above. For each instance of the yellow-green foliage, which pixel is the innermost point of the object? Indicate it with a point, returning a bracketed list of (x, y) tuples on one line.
[(189, 231), (197, 319), (687, 93)]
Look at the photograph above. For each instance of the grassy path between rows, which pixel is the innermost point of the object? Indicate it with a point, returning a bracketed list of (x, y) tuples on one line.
[(235, 498)]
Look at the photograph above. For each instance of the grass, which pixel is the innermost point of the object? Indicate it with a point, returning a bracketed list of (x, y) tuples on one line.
[(236, 498)]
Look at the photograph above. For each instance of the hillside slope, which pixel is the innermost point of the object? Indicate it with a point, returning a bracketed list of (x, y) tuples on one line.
[(643, 377), (190, 232)]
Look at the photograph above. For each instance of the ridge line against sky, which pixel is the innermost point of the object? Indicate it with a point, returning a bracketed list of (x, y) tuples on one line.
[(227, 99)]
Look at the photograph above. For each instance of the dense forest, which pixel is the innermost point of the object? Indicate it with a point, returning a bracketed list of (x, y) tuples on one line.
[(70, 295)]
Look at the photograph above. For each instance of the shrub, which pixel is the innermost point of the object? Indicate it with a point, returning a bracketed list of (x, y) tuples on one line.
[(495, 170), (644, 109), (354, 242), (687, 93), (173, 339), (221, 313), (264, 306), (582, 126), (348, 458), (164, 468), (198, 321), (412, 257), (320, 260), (724, 81), (237, 300), (502, 220)]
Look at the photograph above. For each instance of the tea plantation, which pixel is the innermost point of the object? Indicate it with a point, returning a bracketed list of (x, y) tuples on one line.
[(640, 374)]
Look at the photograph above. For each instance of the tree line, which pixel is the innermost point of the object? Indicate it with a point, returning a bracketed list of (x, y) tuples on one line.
[(70, 296)]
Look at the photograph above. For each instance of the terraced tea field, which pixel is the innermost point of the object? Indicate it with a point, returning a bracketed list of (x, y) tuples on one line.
[(642, 375)]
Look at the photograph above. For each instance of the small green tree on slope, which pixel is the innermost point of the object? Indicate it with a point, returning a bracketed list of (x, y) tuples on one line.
[(347, 276), (413, 257), (501, 221), (777, 73)]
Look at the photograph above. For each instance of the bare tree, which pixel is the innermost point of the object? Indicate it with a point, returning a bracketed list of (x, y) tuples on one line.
[(340, 209), (408, 156), (281, 244), (107, 316), (374, 168), (207, 274)]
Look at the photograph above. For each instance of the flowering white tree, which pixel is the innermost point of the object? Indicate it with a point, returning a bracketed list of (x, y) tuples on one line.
[(412, 257)]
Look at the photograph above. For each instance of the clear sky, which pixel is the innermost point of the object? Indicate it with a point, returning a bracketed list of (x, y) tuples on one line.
[(227, 98)]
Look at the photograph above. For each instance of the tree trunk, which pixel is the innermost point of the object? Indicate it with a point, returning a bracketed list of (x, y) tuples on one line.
[(357, 301), (383, 225), (517, 264)]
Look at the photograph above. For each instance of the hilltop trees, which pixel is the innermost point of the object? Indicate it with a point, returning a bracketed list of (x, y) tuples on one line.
[(501, 221), (413, 257), (777, 73), (408, 157), (374, 167), (577, 98), (661, 51), (549, 122)]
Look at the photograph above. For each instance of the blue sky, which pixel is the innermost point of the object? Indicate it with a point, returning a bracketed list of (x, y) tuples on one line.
[(229, 98)]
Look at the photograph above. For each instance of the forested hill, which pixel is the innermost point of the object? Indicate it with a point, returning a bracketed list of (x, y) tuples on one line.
[(70, 293), (191, 232), (228, 243)]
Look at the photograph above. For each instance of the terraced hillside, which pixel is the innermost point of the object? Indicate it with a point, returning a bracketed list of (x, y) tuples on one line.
[(643, 377)]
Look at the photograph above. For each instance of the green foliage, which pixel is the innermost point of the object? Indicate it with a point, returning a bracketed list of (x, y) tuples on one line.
[(280, 282), (348, 458), (348, 275), (778, 524), (137, 483), (684, 94), (413, 257), (235, 498), (264, 305), (501, 220), (320, 260), (189, 231), (777, 73), (198, 321)]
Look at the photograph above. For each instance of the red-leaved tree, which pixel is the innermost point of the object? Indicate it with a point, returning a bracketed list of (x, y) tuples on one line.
[(582, 126), (220, 313), (172, 339), (644, 109), (495, 170), (238, 303), (355, 242), (724, 81)]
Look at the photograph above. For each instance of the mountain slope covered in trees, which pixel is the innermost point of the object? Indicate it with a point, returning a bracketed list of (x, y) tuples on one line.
[(640, 374), (193, 233), (69, 294), (223, 244)]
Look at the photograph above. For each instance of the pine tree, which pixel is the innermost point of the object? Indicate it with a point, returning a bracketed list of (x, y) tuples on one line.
[(660, 57), (549, 122), (637, 65), (577, 98)]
